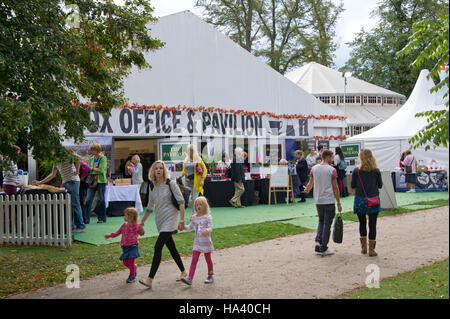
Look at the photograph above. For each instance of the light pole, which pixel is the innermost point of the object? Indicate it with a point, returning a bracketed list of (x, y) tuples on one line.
[(345, 75)]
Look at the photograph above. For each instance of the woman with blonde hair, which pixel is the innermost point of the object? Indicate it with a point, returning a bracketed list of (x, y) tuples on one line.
[(194, 169), (366, 179), (166, 216)]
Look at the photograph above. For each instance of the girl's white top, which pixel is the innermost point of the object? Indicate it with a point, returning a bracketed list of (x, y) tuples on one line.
[(200, 223)]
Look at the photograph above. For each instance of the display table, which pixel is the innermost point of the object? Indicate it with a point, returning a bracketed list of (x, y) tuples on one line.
[(117, 198), (432, 181), (220, 192)]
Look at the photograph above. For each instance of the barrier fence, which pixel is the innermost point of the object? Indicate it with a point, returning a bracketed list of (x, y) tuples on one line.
[(36, 219)]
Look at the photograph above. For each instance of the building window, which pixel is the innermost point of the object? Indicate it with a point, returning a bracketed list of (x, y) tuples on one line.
[(348, 131), (379, 100), (350, 100), (365, 100), (388, 100), (357, 130), (325, 99), (333, 100), (341, 100), (372, 99), (401, 101), (366, 128), (357, 99)]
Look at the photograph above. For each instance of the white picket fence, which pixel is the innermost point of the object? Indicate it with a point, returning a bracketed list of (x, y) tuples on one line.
[(36, 220)]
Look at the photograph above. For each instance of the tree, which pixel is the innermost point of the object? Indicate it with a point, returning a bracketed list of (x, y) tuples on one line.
[(431, 39), (48, 60), (236, 18), (374, 54), (284, 33)]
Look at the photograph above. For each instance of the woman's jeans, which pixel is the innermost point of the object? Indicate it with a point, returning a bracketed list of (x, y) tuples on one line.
[(100, 188), (73, 187)]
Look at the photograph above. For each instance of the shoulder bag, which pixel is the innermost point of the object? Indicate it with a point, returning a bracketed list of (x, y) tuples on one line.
[(372, 201), (338, 229)]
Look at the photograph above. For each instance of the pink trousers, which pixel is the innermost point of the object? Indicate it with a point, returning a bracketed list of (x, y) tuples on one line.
[(195, 256), (129, 263)]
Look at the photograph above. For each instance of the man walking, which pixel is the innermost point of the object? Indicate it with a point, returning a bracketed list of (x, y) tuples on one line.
[(323, 177), (302, 173), (238, 177)]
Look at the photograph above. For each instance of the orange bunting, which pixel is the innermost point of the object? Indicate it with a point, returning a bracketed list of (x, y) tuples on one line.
[(223, 111)]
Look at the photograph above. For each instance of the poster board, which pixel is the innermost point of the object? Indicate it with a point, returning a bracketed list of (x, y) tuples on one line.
[(280, 181), (173, 152), (387, 194)]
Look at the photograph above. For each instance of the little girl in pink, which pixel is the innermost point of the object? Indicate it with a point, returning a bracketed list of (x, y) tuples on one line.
[(201, 221), (129, 242)]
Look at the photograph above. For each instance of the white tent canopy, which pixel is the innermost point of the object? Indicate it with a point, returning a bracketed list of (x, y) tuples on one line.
[(389, 139), (318, 79), (199, 66)]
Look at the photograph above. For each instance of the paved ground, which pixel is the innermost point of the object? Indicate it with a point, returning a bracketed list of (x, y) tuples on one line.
[(286, 267)]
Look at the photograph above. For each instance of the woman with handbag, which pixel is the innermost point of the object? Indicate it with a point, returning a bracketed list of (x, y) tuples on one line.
[(97, 183), (410, 164), (194, 169), (366, 179), (341, 168), (162, 195)]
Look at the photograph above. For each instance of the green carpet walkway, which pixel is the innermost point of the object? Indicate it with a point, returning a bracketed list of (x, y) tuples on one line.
[(302, 214)]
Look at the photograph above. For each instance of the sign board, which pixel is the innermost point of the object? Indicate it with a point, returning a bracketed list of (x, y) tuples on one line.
[(173, 152), (162, 123), (351, 150), (387, 194), (279, 176), (280, 181)]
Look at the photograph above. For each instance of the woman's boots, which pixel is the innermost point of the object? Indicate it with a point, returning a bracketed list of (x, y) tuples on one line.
[(372, 252), (363, 245), (372, 244)]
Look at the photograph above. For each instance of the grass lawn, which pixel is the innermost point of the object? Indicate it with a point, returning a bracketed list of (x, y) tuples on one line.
[(25, 268), (350, 216), (431, 282)]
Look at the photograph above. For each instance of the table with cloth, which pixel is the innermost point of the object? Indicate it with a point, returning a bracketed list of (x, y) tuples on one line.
[(219, 192), (118, 198), (429, 181)]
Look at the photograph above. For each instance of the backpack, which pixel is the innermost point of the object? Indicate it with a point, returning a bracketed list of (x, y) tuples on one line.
[(174, 200), (342, 165), (84, 169)]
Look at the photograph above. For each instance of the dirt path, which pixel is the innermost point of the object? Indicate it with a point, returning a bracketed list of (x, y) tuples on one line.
[(286, 267)]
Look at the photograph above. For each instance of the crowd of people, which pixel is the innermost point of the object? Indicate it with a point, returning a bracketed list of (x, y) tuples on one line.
[(322, 173)]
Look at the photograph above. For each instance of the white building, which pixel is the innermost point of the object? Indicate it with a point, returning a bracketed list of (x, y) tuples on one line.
[(366, 105)]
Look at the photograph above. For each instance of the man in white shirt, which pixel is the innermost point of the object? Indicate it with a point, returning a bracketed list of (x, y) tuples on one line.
[(311, 158), (323, 176)]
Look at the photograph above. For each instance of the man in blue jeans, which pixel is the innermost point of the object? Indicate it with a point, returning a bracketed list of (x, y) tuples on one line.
[(323, 177), (71, 182)]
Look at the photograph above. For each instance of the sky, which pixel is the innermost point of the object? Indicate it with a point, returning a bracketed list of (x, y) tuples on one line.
[(355, 16)]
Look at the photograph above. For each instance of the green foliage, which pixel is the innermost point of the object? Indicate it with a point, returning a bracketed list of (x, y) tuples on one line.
[(430, 39), (285, 34), (374, 53), (46, 63)]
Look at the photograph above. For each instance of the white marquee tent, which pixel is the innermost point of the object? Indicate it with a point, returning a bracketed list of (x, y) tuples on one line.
[(199, 66), (389, 139)]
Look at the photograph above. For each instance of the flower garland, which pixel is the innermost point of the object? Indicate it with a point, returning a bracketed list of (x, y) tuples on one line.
[(332, 137), (185, 108)]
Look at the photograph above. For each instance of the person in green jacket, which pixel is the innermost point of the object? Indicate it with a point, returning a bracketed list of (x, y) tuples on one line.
[(98, 164)]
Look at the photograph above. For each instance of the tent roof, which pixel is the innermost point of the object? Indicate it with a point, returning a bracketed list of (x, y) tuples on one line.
[(403, 124), (199, 66), (367, 115), (318, 79)]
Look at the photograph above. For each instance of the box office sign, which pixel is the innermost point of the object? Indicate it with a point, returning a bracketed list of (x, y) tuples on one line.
[(127, 122), (171, 152)]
